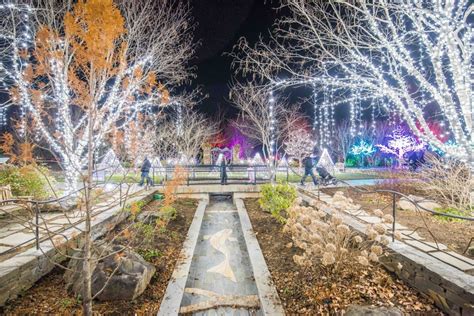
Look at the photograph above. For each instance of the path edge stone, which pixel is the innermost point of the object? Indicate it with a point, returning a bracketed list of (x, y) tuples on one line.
[(269, 299), (171, 301)]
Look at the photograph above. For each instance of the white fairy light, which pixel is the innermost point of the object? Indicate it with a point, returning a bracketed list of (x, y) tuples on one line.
[(413, 55), (51, 102)]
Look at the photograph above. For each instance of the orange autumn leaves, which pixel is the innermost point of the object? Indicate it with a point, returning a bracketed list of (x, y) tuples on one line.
[(90, 53), (21, 153)]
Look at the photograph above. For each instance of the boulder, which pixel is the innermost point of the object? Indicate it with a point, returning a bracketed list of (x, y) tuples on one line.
[(131, 277), (406, 205), (66, 205), (356, 310), (149, 217)]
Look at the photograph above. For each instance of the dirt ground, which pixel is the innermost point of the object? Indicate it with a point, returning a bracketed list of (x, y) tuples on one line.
[(49, 295), (313, 292), (456, 235)]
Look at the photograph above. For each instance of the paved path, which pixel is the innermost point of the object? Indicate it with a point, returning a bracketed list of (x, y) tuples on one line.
[(221, 274)]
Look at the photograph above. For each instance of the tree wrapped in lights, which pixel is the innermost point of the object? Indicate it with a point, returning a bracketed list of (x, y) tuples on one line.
[(80, 73), (408, 55), (399, 144), (362, 149), (299, 144), (77, 71)]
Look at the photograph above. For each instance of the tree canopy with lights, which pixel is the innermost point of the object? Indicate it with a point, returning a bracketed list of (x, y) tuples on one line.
[(412, 58), (78, 71)]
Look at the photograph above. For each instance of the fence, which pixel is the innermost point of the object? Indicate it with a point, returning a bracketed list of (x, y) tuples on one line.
[(199, 174), (36, 205), (393, 205)]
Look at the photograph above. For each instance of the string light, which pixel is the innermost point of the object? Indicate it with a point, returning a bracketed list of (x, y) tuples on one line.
[(407, 76)]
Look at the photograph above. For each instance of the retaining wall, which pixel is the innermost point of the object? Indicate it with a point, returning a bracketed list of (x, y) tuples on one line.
[(451, 289), (20, 272)]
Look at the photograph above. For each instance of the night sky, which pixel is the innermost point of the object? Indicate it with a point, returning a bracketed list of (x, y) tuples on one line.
[(220, 23)]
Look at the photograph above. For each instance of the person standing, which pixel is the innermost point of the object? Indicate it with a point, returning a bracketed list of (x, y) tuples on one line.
[(145, 170), (308, 170), (223, 171)]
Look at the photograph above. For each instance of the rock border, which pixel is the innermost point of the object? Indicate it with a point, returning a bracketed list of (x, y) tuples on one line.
[(270, 303)]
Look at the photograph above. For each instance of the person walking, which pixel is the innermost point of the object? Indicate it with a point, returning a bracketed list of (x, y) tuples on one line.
[(223, 171), (145, 170), (308, 170)]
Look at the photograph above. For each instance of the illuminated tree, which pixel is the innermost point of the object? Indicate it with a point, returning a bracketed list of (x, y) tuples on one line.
[(362, 149), (400, 143), (299, 144), (92, 68), (409, 56), (77, 71), (264, 119)]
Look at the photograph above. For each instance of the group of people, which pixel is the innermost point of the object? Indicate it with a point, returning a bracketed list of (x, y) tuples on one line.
[(309, 164)]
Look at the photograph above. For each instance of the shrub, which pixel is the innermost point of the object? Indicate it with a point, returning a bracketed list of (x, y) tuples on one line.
[(449, 211), (168, 212), (330, 244), (147, 231), (448, 180), (28, 180), (149, 254), (277, 198)]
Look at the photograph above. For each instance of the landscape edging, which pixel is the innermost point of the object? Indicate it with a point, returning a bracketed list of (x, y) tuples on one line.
[(171, 301), (21, 272), (269, 299)]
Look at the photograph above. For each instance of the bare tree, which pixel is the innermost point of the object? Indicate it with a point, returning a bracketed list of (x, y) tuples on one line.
[(183, 134), (409, 55), (264, 119), (343, 139)]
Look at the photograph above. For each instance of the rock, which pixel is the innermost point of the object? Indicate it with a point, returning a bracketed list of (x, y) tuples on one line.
[(129, 280), (149, 217), (406, 205), (66, 205), (356, 310)]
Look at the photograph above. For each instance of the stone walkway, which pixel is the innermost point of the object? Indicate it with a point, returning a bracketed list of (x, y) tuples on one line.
[(220, 280)]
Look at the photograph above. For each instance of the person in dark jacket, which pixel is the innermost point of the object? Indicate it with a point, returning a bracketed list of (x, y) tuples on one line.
[(145, 170), (223, 171), (308, 170)]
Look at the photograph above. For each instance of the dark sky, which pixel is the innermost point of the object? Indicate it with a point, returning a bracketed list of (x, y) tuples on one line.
[(220, 23)]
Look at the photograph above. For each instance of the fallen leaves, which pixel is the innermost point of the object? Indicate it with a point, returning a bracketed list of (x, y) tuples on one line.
[(311, 292)]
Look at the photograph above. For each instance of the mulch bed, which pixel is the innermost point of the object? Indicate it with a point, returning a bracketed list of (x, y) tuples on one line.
[(49, 295), (313, 292), (454, 234)]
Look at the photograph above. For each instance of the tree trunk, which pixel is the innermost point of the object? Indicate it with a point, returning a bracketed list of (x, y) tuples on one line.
[(87, 282)]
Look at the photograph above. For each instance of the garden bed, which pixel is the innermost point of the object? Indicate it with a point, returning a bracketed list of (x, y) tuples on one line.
[(49, 295), (456, 235), (309, 291)]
